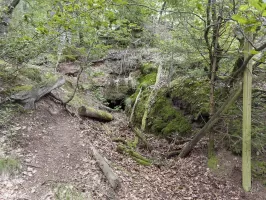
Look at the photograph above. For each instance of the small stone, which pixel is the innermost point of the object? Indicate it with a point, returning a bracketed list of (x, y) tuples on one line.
[(29, 169)]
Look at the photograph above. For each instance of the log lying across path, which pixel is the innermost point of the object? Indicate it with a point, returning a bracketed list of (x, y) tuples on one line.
[(28, 98), (106, 169), (95, 114)]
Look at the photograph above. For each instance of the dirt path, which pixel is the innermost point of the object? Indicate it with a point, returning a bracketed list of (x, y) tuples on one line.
[(57, 164)]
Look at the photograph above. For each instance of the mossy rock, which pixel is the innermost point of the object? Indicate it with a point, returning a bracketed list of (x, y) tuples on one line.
[(164, 119), (193, 91)]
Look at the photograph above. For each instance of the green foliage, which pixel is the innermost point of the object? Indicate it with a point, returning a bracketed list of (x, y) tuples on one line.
[(8, 111), (249, 14), (31, 73), (259, 169), (72, 53)]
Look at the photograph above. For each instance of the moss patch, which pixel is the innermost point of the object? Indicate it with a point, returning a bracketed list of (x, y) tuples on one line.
[(148, 68), (165, 119), (9, 165), (212, 162), (147, 80), (193, 91)]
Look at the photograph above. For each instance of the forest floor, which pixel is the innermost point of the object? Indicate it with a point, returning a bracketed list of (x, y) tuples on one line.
[(57, 163)]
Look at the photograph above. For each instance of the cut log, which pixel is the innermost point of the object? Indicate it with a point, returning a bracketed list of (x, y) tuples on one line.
[(95, 114), (106, 169), (28, 98)]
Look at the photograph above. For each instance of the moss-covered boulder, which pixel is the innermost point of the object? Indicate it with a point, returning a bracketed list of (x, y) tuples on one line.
[(165, 119), (191, 95)]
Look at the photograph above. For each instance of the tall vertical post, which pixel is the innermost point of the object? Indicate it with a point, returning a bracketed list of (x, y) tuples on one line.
[(247, 97)]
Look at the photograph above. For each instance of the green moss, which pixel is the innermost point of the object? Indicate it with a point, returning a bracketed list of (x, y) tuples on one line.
[(147, 80), (148, 68), (164, 119), (32, 73), (193, 91), (140, 107), (9, 165), (21, 88), (142, 162), (133, 154), (212, 162)]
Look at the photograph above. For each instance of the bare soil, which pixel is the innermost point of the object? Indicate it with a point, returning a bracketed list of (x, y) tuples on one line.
[(54, 151)]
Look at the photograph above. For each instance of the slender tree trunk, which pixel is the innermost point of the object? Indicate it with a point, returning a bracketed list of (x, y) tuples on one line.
[(232, 98), (161, 12), (247, 92), (213, 68)]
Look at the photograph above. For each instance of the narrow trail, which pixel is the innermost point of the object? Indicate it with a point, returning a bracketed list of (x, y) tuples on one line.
[(56, 160)]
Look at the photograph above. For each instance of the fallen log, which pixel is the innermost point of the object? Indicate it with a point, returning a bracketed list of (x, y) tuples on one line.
[(106, 169), (28, 98), (142, 137), (95, 114)]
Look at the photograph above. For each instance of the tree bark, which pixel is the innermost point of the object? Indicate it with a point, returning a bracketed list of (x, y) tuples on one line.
[(232, 98)]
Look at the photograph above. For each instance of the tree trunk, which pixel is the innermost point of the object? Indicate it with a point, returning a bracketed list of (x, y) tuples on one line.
[(232, 98), (213, 69), (247, 92)]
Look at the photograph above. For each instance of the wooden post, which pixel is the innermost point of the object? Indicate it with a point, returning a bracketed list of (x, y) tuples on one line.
[(247, 97)]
